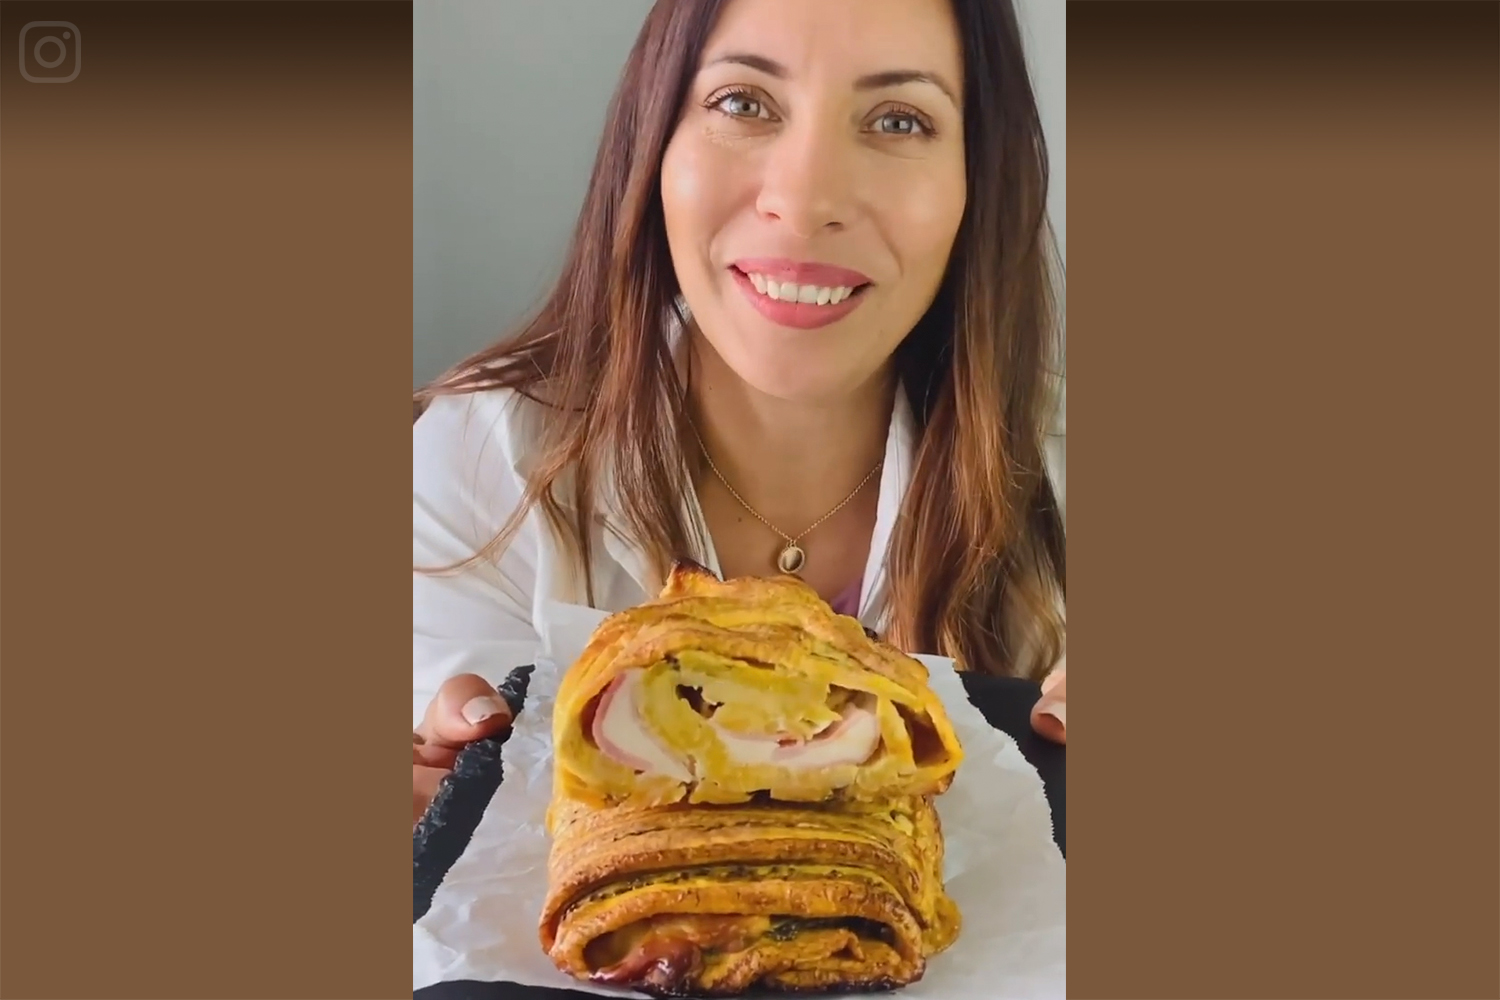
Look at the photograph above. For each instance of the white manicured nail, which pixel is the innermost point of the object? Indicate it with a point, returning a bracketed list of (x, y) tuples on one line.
[(476, 710)]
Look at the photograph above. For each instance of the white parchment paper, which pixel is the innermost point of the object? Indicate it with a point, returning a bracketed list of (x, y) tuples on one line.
[(1002, 868)]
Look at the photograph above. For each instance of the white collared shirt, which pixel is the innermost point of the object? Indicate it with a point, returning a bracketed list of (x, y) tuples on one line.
[(470, 454)]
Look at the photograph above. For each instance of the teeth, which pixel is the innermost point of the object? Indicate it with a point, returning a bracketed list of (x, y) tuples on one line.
[(787, 291)]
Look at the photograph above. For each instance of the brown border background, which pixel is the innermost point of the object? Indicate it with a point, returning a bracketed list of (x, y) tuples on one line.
[(1284, 342), (1284, 348), (206, 254)]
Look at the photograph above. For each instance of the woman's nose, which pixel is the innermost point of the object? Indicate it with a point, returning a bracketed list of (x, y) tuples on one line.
[(806, 182)]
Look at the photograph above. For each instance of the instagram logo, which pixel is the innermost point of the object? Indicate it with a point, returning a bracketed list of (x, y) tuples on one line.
[(51, 51)]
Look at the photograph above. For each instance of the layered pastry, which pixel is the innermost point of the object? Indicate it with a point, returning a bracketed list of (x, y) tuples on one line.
[(743, 798), (721, 692), (686, 900)]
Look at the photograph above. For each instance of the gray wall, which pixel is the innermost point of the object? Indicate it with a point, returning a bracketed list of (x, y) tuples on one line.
[(509, 104)]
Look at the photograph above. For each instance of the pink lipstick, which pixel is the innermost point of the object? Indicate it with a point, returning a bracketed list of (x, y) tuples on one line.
[(803, 296)]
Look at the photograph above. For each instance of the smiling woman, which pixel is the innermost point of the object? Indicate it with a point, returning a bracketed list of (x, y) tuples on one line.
[(818, 175), (807, 323)]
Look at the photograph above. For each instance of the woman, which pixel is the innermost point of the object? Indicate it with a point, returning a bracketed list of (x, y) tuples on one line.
[(806, 323)]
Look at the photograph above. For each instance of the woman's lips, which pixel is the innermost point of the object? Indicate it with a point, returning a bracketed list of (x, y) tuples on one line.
[(801, 272), (801, 315)]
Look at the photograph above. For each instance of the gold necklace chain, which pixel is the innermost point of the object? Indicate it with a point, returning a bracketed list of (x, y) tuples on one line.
[(793, 557)]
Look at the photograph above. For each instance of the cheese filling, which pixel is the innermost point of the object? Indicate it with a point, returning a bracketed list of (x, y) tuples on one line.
[(843, 735)]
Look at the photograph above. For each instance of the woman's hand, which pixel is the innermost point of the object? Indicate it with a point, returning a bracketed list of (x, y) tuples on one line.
[(1049, 715), (466, 709)]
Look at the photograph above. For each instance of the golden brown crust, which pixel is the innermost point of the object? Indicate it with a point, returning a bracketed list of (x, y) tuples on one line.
[(823, 950), (689, 578), (622, 871), (753, 874), (809, 892), (772, 635), (898, 841)]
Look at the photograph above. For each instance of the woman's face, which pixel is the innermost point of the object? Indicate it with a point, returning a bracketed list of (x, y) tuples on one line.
[(815, 184)]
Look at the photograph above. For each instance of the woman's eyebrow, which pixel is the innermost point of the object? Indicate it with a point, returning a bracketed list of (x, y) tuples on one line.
[(768, 66), (896, 77), (871, 81)]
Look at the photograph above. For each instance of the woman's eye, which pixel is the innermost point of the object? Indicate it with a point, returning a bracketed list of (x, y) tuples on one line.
[(899, 123), (739, 106)]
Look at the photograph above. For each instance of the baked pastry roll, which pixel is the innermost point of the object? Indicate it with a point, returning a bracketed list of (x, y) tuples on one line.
[(685, 900), (717, 692)]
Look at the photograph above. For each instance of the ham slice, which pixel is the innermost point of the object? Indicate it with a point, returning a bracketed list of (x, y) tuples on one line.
[(658, 961), (620, 732), (665, 951), (850, 740)]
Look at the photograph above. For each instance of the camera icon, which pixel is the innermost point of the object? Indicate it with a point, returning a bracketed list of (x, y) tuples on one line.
[(51, 56)]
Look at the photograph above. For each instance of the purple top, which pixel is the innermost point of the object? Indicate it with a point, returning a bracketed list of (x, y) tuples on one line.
[(847, 602)]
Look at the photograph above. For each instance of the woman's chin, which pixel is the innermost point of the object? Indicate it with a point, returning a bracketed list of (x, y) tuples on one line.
[(800, 381), (810, 371)]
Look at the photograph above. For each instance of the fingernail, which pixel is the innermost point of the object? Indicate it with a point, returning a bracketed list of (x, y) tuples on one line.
[(476, 710)]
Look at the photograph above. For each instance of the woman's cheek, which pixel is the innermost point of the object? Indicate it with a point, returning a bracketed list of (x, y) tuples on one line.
[(682, 180), (922, 197), (699, 181), (931, 210)]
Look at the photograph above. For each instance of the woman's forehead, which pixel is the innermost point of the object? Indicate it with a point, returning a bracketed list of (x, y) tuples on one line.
[(840, 38)]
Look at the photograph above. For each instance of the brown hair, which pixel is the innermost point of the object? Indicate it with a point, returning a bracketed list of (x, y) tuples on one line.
[(976, 563)]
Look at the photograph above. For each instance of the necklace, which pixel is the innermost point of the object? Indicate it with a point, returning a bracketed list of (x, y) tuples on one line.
[(792, 557)]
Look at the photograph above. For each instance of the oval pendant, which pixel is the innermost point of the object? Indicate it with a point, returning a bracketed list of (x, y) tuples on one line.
[(791, 559)]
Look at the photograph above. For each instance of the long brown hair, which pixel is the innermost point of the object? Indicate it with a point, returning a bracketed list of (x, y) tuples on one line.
[(976, 565)]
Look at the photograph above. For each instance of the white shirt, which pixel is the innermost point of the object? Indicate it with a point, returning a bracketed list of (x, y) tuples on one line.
[(470, 455)]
